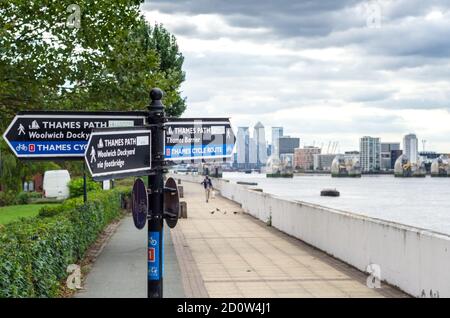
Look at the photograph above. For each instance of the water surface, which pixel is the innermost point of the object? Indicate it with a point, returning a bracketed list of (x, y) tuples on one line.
[(420, 202)]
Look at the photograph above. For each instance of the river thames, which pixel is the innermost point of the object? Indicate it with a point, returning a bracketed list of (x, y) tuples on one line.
[(419, 202)]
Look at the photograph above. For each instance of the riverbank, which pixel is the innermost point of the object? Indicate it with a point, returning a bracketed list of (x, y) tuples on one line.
[(417, 202), (229, 253), (413, 259)]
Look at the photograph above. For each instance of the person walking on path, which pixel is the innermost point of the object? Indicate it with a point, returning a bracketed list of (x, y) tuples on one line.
[(207, 184)]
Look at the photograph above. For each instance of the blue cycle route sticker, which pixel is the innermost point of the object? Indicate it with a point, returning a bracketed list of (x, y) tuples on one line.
[(198, 151), (154, 272), (49, 147)]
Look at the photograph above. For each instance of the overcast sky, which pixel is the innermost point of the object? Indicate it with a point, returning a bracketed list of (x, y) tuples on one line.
[(326, 70)]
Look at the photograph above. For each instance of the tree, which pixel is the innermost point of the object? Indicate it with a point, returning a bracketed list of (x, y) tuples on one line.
[(148, 57), (109, 62), (96, 55)]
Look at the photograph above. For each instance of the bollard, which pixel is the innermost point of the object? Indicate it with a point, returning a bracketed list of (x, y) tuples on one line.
[(180, 191), (183, 210)]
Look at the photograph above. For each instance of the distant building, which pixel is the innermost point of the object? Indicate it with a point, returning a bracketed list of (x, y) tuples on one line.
[(429, 155), (242, 148), (287, 159), (411, 147), (252, 154), (304, 157), (353, 155), (370, 153), (322, 162), (287, 145), (395, 154), (386, 155), (277, 132), (259, 136)]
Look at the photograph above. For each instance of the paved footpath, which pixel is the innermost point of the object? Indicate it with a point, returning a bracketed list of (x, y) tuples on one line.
[(120, 271), (231, 254)]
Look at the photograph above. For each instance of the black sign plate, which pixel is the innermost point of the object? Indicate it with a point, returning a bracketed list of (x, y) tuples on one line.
[(61, 134), (119, 153), (197, 140), (139, 204), (171, 203)]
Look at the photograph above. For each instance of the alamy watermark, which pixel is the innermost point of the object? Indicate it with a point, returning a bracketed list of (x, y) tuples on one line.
[(374, 14), (74, 19), (73, 281), (374, 279)]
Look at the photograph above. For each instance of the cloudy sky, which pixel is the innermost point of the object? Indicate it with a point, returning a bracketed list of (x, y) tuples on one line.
[(326, 70)]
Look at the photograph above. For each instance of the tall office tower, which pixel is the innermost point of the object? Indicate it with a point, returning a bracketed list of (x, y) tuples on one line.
[(411, 147), (259, 135), (252, 154), (277, 132), (387, 149), (370, 154), (287, 145), (242, 147)]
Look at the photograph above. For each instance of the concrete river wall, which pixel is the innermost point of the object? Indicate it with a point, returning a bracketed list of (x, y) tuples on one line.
[(415, 260)]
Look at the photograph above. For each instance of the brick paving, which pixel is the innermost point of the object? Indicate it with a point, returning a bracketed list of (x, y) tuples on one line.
[(230, 254)]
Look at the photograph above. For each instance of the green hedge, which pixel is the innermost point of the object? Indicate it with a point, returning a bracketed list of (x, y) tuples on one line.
[(35, 252), (76, 186)]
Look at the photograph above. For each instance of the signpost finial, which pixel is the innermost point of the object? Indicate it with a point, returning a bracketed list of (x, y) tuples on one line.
[(156, 94)]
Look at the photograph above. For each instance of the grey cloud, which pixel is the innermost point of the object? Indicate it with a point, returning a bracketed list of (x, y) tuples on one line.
[(284, 17), (363, 125), (407, 48)]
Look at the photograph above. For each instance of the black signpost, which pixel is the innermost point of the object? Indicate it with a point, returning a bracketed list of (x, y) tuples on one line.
[(125, 144), (119, 152), (156, 118)]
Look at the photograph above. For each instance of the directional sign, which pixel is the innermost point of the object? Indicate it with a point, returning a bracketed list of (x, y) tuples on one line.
[(189, 139), (139, 203), (171, 203), (61, 134), (116, 153)]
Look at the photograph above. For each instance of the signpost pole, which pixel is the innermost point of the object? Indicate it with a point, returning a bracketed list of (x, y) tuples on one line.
[(84, 183), (156, 118)]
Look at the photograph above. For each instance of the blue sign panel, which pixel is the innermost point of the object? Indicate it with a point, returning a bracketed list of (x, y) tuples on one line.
[(154, 270), (198, 139), (61, 134)]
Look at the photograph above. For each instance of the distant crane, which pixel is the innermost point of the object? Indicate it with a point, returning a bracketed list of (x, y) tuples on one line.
[(335, 144)]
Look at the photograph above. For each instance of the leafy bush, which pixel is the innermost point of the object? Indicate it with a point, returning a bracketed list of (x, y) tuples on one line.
[(7, 198), (12, 198), (76, 186), (50, 210), (35, 252), (25, 197)]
